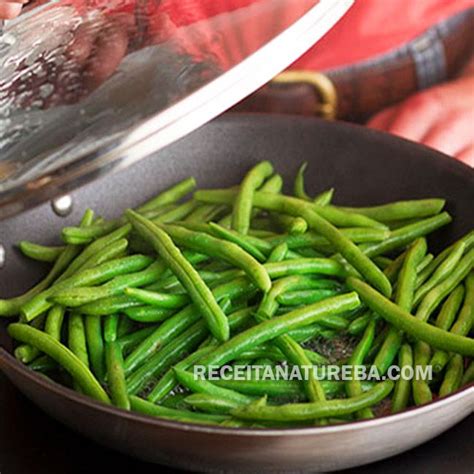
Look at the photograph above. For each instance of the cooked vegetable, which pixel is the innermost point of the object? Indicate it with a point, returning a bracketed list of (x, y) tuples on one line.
[(177, 294)]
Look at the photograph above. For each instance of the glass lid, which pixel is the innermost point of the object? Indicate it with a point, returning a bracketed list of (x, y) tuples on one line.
[(91, 86)]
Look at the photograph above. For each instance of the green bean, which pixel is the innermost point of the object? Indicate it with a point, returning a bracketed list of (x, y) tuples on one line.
[(43, 364), (279, 253), (421, 390), (306, 333), (309, 252), (442, 272), (434, 297), (26, 353), (313, 240), (148, 314), (165, 357), (403, 320), (172, 284), (341, 218), (401, 210), (12, 306), (359, 324), (272, 353), (296, 298), (379, 340), (468, 240), (269, 304), (111, 305), (91, 276), (450, 308), (77, 337), (41, 253), (110, 252), (273, 185), (324, 198), (298, 187), (75, 297), (273, 388), (250, 243), (405, 293), (292, 225), (62, 355), (173, 194), (180, 322), (288, 389), (405, 235), (93, 251), (462, 326), (242, 207), (309, 411), (142, 406), (272, 328), (115, 375), (200, 385), (392, 271), (404, 298), (170, 196), (168, 381), (110, 327), (160, 300), (401, 393), (235, 238), (166, 214), (468, 377), (198, 291), (424, 263), (125, 326), (171, 353), (291, 206), (54, 321), (213, 404), (84, 236), (202, 213), (382, 262), (341, 243), (223, 249), (354, 385), (453, 376), (132, 340), (95, 345), (305, 266)]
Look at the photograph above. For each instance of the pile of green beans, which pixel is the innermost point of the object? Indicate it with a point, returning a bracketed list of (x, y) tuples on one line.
[(248, 277)]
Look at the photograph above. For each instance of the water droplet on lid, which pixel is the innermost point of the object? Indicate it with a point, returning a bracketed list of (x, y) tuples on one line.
[(46, 90)]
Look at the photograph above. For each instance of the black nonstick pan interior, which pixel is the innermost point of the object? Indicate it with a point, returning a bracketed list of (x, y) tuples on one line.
[(365, 167)]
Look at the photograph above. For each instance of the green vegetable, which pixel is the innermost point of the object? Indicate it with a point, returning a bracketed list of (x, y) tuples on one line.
[(62, 355), (198, 291)]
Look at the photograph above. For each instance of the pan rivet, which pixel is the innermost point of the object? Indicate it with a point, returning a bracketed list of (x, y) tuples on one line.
[(2, 255), (62, 206)]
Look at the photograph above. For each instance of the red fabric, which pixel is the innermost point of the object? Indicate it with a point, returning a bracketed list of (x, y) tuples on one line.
[(374, 27), (371, 27)]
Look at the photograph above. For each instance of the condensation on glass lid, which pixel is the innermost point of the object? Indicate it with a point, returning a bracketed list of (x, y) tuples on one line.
[(79, 78)]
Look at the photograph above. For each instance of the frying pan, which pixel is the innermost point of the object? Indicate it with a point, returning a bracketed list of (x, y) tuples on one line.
[(366, 167)]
